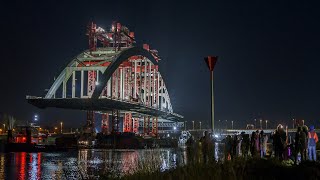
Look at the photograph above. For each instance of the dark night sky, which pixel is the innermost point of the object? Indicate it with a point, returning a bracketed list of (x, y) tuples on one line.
[(268, 50)]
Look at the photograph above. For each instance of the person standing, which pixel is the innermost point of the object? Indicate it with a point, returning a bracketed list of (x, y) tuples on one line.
[(257, 143), (252, 144), (245, 144), (263, 143), (279, 139), (305, 141), (299, 145), (312, 141)]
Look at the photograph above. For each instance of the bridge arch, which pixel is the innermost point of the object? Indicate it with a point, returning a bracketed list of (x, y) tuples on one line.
[(123, 56), (107, 71)]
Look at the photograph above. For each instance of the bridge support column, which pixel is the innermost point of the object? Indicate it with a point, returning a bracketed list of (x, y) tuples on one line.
[(81, 88), (145, 81), (127, 122), (121, 83), (90, 122), (157, 92), (135, 80), (73, 84), (149, 86), (64, 89), (115, 121), (135, 125), (109, 88), (155, 126), (105, 123), (145, 125)]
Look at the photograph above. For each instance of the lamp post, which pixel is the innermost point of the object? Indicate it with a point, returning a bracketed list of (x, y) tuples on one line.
[(260, 123), (4, 127), (266, 124), (226, 124), (292, 123), (231, 124), (200, 125), (255, 123), (192, 125), (61, 126)]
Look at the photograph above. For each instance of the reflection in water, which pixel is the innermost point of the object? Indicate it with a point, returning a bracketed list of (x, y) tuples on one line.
[(89, 164)]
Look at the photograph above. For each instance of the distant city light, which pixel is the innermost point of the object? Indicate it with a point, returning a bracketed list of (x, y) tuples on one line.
[(174, 128)]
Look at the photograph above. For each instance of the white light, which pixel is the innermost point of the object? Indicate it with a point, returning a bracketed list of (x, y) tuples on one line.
[(35, 116), (168, 135), (216, 135), (97, 83), (174, 128)]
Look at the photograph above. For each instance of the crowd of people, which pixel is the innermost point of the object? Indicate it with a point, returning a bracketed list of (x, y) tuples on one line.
[(256, 145), (304, 144)]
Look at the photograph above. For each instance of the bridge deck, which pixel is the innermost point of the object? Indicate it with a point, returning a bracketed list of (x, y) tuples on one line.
[(104, 104)]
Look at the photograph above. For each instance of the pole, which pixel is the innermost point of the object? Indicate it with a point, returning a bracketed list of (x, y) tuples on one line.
[(266, 124), (185, 125), (232, 124), (212, 100), (260, 123), (192, 125), (211, 61), (61, 127), (255, 123), (292, 123), (200, 125)]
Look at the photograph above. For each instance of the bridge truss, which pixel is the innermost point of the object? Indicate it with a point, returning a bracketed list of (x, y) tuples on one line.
[(115, 78)]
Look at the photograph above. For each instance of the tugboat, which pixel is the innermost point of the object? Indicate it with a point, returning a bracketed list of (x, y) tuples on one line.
[(28, 139)]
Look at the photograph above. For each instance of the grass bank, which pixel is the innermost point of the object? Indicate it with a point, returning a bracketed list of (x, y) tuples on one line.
[(239, 169)]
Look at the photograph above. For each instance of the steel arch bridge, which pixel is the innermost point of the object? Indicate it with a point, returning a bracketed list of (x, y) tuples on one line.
[(115, 78)]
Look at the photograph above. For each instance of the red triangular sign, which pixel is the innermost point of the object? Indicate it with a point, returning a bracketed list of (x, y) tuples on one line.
[(211, 61)]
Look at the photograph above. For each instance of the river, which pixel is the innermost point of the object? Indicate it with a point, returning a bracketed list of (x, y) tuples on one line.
[(88, 163)]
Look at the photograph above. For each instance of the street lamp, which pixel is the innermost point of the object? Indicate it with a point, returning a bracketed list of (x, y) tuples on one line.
[(292, 123), (226, 124), (255, 123), (200, 125), (61, 126), (266, 124), (4, 127), (260, 123), (192, 125), (232, 124)]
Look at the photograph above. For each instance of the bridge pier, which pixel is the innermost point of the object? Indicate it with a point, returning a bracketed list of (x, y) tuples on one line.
[(115, 121), (105, 123), (89, 128)]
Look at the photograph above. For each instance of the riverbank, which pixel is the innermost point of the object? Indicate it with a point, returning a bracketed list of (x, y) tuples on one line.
[(239, 169)]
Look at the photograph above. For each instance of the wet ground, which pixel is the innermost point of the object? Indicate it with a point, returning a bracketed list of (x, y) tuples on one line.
[(89, 164)]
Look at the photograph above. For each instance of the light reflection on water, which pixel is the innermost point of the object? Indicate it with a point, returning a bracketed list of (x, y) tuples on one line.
[(88, 163)]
